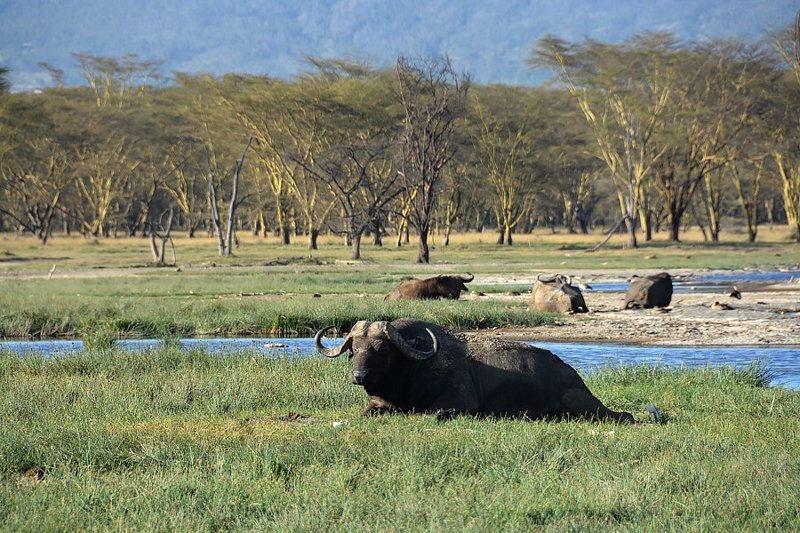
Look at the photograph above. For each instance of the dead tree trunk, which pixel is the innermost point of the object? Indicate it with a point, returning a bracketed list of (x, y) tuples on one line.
[(159, 249)]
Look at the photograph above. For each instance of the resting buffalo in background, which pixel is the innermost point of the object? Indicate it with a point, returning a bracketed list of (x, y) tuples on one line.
[(429, 289), (557, 295), (649, 291), (410, 366)]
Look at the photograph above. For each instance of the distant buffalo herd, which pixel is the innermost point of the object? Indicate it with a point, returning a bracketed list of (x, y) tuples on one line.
[(411, 366), (555, 294)]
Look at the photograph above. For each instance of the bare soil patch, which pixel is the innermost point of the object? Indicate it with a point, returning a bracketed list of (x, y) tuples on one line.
[(766, 314)]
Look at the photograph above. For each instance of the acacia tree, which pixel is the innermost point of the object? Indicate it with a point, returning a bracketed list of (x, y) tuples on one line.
[(622, 91), (709, 111), (503, 155), (785, 151), (747, 179), (433, 97), (116, 80), (290, 134), (104, 170), (33, 182), (256, 103), (456, 180), (185, 183)]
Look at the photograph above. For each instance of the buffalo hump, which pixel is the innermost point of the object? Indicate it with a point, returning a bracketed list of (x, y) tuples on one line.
[(649, 291)]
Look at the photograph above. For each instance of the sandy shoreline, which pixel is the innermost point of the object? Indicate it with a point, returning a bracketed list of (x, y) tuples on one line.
[(766, 314)]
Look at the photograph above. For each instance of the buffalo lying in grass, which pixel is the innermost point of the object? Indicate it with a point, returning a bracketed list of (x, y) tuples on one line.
[(556, 294), (448, 287), (410, 366), (649, 291)]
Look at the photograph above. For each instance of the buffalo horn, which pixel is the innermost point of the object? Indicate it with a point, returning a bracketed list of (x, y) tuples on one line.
[(331, 352), (408, 350), (471, 277)]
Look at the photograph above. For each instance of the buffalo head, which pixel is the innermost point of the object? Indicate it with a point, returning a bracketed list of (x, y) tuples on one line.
[(376, 348)]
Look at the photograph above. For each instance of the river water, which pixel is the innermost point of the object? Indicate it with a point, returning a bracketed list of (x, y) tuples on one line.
[(781, 362), (712, 281)]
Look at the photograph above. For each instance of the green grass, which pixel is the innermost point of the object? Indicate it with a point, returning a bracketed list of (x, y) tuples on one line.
[(171, 439), (41, 315), (104, 289)]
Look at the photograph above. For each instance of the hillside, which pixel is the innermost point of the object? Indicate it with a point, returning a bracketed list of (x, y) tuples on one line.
[(489, 39)]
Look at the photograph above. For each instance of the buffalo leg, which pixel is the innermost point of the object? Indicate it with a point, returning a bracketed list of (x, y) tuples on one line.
[(450, 405), (581, 403), (377, 406)]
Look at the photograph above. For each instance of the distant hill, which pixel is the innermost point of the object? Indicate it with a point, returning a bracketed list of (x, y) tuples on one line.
[(489, 38)]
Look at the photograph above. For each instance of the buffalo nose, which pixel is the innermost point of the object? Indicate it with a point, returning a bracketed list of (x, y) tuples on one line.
[(358, 376)]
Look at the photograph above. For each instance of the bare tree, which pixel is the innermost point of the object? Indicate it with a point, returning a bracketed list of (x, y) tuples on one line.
[(225, 241), (361, 177), (162, 231), (433, 96)]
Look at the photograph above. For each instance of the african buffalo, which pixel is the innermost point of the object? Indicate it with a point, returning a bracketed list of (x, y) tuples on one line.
[(410, 366), (428, 289), (649, 291), (556, 294)]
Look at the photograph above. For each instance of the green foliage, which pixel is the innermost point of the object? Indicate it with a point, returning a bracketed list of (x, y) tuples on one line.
[(190, 440)]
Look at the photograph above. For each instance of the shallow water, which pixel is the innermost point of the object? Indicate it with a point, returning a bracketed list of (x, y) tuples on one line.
[(711, 282), (782, 362)]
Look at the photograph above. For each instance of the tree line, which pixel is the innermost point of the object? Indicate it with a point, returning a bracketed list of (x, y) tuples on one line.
[(645, 135)]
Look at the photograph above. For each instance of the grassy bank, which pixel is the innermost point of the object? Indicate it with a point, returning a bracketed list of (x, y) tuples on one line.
[(105, 288), (132, 316), (172, 439), (531, 252)]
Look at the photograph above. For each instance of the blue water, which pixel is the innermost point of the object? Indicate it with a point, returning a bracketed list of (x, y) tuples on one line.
[(782, 362), (710, 282)]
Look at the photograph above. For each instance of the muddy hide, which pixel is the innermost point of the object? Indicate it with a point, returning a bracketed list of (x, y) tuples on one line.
[(649, 291), (556, 294)]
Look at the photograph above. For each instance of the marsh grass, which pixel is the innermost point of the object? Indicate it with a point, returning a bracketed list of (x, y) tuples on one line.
[(99, 320), (171, 439), (104, 289)]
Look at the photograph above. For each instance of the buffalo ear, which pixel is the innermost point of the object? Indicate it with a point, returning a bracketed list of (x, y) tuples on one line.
[(418, 343)]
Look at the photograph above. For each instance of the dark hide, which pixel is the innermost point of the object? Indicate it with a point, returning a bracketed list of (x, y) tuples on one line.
[(449, 287), (477, 376), (649, 291), (557, 295)]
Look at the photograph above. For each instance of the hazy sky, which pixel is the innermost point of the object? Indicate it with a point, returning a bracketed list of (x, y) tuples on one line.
[(489, 38)]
